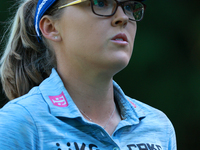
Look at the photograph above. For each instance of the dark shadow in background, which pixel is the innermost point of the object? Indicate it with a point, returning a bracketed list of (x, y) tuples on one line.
[(164, 71)]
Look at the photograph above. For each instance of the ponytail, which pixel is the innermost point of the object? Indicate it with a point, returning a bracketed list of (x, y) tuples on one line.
[(25, 62)]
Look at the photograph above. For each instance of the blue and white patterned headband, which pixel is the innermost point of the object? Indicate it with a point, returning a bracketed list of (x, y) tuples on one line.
[(42, 7)]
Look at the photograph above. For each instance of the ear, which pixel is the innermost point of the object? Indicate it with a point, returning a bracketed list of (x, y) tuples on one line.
[(48, 29)]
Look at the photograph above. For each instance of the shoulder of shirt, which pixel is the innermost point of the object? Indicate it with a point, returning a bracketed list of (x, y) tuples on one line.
[(145, 107), (27, 102), (155, 117), (17, 126), (151, 112)]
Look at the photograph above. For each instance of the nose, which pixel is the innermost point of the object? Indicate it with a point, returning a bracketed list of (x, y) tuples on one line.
[(120, 18)]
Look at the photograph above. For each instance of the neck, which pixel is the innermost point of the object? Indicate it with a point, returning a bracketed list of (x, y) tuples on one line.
[(92, 92), (89, 93), (94, 96)]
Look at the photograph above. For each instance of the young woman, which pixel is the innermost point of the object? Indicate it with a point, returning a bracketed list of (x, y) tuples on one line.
[(58, 67)]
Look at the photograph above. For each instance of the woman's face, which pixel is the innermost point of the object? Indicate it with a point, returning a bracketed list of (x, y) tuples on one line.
[(92, 42)]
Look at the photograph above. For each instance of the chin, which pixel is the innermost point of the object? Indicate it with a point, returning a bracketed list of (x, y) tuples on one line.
[(122, 60), (118, 65)]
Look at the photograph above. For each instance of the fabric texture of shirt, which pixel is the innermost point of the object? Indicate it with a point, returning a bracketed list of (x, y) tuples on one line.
[(47, 119)]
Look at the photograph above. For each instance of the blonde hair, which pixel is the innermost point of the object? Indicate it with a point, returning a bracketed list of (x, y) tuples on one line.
[(26, 62)]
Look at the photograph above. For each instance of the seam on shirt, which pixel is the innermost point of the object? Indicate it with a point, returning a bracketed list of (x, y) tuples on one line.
[(24, 97), (33, 121), (21, 98)]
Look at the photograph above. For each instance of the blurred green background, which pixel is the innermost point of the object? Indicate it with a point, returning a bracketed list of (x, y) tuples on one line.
[(164, 71)]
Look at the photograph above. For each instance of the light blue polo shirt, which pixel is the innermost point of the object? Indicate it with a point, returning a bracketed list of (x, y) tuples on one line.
[(47, 119)]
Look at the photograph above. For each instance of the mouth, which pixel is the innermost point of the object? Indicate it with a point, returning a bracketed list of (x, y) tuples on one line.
[(120, 38)]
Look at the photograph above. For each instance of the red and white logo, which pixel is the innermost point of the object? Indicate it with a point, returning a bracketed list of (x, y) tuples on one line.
[(59, 100)]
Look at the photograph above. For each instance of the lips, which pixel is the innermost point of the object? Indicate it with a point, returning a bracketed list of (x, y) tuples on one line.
[(120, 37)]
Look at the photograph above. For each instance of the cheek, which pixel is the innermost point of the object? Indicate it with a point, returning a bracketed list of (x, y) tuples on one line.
[(81, 42), (82, 30), (132, 31), (89, 36)]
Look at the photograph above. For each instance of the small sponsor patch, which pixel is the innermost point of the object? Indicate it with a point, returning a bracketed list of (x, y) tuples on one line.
[(59, 100), (132, 103)]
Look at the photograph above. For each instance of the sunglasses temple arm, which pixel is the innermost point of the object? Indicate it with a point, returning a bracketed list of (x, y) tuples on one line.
[(72, 3)]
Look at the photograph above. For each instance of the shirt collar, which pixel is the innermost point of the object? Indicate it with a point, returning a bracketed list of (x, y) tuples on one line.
[(61, 104), (58, 99), (130, 111)]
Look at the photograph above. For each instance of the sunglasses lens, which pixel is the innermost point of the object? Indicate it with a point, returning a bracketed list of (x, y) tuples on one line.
[(133, 9), (104, 7)]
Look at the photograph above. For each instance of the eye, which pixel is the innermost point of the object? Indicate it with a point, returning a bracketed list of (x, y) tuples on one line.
[(100, 3), (128, 8)]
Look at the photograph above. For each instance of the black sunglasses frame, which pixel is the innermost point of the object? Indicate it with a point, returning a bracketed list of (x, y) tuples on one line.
[(122, 6)]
